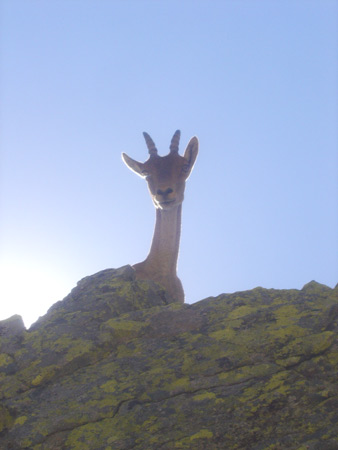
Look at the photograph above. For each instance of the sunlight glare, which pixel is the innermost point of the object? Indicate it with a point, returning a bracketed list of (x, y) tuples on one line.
[(29, 289)]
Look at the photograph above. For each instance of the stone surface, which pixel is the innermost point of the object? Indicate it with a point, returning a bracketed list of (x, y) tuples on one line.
[(118, 365)]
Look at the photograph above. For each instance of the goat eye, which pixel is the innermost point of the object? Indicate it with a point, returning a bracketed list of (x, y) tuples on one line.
[(185, 168)]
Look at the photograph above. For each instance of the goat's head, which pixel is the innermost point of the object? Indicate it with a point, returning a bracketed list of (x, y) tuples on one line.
[(166, 175)]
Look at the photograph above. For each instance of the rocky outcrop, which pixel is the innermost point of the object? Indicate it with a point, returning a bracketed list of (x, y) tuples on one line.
[(118, 365)]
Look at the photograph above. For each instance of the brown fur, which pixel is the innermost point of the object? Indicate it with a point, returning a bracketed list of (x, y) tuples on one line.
[(166, 177)]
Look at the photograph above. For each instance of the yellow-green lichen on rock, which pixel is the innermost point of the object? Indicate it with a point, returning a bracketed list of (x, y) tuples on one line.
[(118, 365)]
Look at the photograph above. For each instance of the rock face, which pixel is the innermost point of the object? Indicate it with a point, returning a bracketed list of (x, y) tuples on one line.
[(118, 365)]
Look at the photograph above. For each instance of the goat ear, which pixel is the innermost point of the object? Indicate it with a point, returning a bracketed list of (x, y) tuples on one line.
[(133, 165), (190, 154)]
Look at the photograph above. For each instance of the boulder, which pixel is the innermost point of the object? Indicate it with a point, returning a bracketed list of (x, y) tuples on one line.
[(119, 365)]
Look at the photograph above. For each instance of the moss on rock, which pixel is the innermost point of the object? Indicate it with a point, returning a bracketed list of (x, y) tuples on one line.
[(118, 365)]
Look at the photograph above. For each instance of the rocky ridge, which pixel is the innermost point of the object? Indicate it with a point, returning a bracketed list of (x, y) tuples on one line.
[(119, 365)]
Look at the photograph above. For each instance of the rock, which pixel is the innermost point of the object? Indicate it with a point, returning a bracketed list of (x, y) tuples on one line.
[(11, 334), (13, 326), (118, 365)]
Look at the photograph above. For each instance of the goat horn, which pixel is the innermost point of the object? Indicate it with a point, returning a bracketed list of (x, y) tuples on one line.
[(175, 141), (150, 144)]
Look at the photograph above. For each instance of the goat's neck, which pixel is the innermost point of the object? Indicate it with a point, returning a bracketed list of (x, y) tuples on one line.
[(160, 264), (166, 240)]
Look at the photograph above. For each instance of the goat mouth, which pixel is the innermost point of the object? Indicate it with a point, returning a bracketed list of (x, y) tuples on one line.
[(166, 203)]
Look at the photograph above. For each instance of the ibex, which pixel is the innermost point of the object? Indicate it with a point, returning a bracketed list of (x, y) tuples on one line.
[(166, 177)]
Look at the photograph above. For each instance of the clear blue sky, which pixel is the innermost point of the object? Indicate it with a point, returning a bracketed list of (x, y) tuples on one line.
[(256, 81)]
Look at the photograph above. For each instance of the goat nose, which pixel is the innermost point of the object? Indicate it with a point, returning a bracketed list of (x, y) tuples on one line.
[(164, 193)]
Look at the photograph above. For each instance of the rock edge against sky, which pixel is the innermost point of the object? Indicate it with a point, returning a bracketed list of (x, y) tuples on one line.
[(118, 365)]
